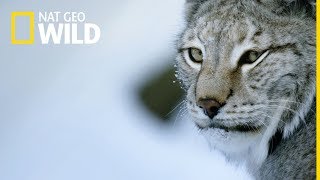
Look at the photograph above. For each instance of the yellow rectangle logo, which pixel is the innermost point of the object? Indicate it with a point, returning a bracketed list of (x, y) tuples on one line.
[(13, 28)]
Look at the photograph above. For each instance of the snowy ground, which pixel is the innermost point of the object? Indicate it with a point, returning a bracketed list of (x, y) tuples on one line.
[(71, 112)]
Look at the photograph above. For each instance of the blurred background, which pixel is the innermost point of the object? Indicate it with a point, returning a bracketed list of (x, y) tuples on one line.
[(111, 110)]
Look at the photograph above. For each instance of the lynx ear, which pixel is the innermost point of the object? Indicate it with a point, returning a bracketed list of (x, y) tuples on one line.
[(307, 7), (191, 1), (191, 7)]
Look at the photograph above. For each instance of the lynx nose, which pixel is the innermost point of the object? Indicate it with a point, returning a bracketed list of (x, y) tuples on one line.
[(209, 106)]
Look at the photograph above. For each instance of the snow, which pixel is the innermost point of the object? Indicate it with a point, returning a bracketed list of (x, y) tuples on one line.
[(71, 112)]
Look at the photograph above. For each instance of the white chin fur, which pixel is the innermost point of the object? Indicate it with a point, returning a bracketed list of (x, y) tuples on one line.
[(247, 148), (230, 142)]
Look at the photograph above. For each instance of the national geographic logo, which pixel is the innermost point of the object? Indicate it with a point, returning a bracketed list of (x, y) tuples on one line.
[(57, 28)]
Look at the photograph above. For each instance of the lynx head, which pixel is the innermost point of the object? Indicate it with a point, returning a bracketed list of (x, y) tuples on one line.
[(248, 67)]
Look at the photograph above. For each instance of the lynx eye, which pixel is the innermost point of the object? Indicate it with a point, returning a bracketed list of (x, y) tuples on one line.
[(195, 55), (249, 57)]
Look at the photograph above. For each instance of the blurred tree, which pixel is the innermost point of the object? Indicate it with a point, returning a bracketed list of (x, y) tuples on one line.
[(161, 94)]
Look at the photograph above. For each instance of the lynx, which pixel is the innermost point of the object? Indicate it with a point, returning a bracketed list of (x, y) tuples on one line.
[(248, 69)]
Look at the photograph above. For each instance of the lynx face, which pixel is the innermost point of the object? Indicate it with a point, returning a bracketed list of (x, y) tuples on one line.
[(248, 72)]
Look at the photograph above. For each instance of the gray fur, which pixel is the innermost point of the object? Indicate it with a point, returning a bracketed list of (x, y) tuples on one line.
[(274, 95), (294, 158)]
